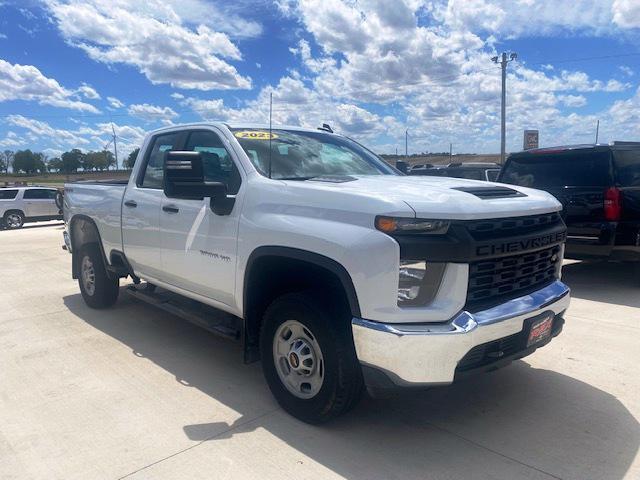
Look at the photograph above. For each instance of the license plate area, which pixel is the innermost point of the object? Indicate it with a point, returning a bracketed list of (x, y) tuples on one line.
[(540, 329)]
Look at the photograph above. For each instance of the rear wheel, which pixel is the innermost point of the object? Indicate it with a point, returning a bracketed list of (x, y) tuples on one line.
[(13, 219), (98, 288), (308, 358)]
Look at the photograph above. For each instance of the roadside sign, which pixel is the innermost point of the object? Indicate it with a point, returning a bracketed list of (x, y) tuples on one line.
[(530, 139)]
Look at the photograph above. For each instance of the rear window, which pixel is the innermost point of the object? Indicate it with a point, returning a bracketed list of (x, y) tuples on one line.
[(574, 169), (628, 167), (8, 194), (40, 194)]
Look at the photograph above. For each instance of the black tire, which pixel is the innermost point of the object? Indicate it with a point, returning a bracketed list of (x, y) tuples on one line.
[(342, 385), (59, 200), (13, 219), (105, 287)]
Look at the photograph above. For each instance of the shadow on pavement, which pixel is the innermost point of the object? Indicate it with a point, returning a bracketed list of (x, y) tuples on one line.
[(29, 226), (519, 417), (608, 282)]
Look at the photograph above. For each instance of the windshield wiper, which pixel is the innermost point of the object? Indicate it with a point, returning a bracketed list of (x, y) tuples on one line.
[(295, 178)]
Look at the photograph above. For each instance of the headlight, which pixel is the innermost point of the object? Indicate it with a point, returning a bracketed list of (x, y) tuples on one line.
[(399, 225), (410, 279)]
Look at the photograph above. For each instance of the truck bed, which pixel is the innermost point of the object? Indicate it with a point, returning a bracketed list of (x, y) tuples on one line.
[(101, 202)]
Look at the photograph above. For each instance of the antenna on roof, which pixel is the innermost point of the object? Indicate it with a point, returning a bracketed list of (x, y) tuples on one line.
[(270, 135), (326, 128)]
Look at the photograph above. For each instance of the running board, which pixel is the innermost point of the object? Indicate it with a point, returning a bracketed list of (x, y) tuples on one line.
[(216, 321)]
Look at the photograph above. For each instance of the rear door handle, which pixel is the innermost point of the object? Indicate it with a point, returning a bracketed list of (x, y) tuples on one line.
[(170, 209), (130, 203)]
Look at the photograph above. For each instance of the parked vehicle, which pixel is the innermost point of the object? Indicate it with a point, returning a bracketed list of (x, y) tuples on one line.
[(474, 171), (330, 266), (599, 188), (19, 205)]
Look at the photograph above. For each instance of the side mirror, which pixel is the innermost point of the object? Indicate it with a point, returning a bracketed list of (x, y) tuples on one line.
[(184, 178), (402, 166)]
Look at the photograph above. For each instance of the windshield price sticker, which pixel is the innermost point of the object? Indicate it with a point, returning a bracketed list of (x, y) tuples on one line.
[(255, 135)]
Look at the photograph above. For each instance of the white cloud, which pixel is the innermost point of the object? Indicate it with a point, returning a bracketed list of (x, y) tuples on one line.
[(12, 140), (626, 70), (151, 37), (573, 101), (151, 113), (516, 18), (626, 13), (88, 92), (114, 102), (26, 82), (57, 136)]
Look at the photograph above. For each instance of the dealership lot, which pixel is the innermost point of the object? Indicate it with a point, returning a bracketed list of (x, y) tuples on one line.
[(134, 392)]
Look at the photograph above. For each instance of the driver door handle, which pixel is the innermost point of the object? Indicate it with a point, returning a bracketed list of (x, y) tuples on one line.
[(170, 209), (130, 203)]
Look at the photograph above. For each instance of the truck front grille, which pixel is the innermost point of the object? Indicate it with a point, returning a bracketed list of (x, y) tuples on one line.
[(495, 281)]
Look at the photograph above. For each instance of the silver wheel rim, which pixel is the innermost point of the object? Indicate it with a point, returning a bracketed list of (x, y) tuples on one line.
[(88, 276), (14, 220), (298, 359)]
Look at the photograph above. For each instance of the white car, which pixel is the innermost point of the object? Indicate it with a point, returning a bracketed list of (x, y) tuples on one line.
[(331, 267), (19, 205)]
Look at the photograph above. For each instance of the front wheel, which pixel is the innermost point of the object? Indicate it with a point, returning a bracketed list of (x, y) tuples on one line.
[(98, 288), (14, 219), (308, 358)]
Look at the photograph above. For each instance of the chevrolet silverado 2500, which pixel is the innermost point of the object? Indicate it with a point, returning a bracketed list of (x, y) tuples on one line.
[(331, 267)]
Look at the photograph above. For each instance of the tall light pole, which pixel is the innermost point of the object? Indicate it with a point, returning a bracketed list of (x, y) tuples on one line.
[(406, 145), (503, 61)]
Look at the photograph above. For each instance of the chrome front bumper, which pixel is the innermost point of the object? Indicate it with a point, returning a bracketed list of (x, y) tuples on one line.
[(427, 354)]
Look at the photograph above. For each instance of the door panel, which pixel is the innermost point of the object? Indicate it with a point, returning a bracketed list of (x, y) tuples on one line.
[(199, 248), (141, 209), (140, 229)]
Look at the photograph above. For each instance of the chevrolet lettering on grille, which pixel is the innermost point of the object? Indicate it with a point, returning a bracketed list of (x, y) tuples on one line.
[(520, 245)]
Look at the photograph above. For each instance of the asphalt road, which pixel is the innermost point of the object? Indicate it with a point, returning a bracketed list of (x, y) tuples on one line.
[(134, 392)]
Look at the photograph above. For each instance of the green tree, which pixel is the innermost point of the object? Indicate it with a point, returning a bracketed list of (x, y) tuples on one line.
[(28, 162), (131, 159), (71, 161), (55, 164)]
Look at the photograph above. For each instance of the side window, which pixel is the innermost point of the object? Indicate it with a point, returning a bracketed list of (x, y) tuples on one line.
[(8, 194), (51, 194), (154, 173), (628, 165), (35, 194), (218, 164)]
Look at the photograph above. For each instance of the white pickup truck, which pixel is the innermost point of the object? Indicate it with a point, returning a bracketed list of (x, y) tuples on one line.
[(331, 267)]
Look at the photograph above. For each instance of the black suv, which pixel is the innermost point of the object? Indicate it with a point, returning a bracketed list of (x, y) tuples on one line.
[(599, 188)]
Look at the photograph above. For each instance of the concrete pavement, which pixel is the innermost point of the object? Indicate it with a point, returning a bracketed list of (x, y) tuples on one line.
[(133, 392)]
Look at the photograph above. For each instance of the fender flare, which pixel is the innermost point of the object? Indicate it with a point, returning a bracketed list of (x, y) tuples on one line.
[(306, 256)]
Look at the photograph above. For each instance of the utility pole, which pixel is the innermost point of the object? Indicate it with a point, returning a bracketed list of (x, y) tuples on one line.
[(115, 145), (597, 130), (503, 62), (450, 151), (406, 145)]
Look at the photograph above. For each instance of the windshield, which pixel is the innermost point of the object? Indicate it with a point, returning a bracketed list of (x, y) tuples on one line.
[(297, 155), (575, 169)]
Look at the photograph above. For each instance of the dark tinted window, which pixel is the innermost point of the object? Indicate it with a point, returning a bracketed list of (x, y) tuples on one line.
[(39, 194), (492, 175), (8, 194), (628, 167), (575, 169), (154, 173), (470, 173), (216, 161)]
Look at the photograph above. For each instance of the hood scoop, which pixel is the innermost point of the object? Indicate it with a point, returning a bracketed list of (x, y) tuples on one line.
[(489, 193), (334, 178)]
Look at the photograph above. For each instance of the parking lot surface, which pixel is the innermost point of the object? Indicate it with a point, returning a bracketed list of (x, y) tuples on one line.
[(133, 392)]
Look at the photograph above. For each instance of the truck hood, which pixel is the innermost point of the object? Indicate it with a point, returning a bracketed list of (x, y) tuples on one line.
[(440, 197)]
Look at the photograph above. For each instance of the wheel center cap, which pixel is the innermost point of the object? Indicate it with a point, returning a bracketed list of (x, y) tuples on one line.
[(294, 361)]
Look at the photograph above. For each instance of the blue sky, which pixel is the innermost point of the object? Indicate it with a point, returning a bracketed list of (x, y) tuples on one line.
[(69, 69)]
